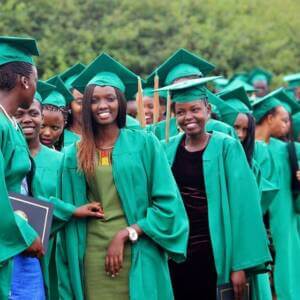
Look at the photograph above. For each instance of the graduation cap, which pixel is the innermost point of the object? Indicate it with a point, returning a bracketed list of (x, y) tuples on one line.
[(227, 112), (243, 76), (43, 90), (259, 74), (17, 49), (60, 96), (106, 71), (293, 80), (237, 83), (237, 98), (263, 105), (288, 102), (221, 83), (181, 64), (71, 74)]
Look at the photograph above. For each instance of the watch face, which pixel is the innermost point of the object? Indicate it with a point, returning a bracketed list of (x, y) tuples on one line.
[(133, 236)]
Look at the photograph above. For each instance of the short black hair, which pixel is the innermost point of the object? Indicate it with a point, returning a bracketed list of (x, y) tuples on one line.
[(9, 74), (272, 112)]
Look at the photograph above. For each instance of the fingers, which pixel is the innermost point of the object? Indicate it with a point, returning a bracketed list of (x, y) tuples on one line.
[(238, 291), (94, 214)]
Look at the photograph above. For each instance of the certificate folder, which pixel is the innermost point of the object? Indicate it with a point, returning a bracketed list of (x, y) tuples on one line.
[(38, 213), (225, 292)]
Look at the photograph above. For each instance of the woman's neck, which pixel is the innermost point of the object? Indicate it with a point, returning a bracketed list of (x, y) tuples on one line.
[(76, 127), (9, 102), (34, 146), (196, 142), (106, 136), (262, 133)]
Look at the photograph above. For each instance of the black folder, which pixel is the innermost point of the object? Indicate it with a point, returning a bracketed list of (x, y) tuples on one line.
[(225, 292), (38, 213)]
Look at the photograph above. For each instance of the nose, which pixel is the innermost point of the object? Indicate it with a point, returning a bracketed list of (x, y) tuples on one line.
[(189, 115), (102, 104), (46, 132), (26, 119)]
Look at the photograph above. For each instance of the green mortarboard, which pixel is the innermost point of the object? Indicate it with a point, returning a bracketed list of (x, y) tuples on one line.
[(237, 83), (259, 74), (237, 98), (243, 76), (106, 71), (296, 126), (61, 96), (17, 49), (148, 91), (262, 106), (181, 64), (227, 112), (189, 90), (293, 80), (71, 74), (288, 102), (43, 90), (220, 83)]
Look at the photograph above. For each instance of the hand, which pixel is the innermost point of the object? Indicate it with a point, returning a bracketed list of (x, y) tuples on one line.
[(115, 253), (239, 281), (298, 175), (36, 249), (92, 209)]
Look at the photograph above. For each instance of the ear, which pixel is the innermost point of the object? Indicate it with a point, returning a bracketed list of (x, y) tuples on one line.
[(208, 107), (269, 118), (24, 82)]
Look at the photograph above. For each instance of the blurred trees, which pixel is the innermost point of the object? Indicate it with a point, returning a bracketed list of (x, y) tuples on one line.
[(234, 35)]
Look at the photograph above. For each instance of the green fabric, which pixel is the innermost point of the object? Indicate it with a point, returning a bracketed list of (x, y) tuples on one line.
[(149, 92), (106, 71), (132, 123), (296, 126), (243, 76), (238, 237), (61, 96), (149, 197), (293, 80), (180, 64), (189, 90), (15, 234), (70, 137), (262, 106), (259, 74), (43, 90), (17, 49), (69, 75), (159, 129), (216, 125), (291, 105), (237, 83), (44, 186), (100, 232), (220, 84), (284, 226)]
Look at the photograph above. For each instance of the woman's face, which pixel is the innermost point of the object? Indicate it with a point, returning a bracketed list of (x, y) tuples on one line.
[(241, 125), (192, 116), (76, 105), (52, 127), (30, 120), (104, 105), (148, 109), (28, 88), (279, 122)]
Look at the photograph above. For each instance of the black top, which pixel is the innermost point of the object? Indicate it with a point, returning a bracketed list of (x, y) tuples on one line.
[(188, 172)]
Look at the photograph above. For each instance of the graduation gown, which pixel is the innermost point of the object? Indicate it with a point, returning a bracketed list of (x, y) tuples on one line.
[(70, 137), (48, 164), (283, 226), (16, 235), (237, 231), (149, 197)]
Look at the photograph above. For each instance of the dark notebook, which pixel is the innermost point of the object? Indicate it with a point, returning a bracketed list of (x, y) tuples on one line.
[(225, 292), (38, 213)]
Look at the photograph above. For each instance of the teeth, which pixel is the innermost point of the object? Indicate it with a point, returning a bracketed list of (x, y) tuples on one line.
[(104, 114), (191, 125)]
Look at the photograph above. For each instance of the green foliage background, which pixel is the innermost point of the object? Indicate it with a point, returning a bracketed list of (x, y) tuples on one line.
[(235, 35)]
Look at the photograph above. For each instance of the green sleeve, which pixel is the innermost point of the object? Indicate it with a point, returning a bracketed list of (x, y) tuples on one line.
[(166, 222), (245, 213)]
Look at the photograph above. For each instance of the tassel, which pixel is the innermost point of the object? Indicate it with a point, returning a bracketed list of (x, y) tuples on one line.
[(156, 106), (168, 117), (140, 104)]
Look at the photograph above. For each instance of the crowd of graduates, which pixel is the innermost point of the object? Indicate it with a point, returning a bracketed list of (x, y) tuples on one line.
[(165, 187)]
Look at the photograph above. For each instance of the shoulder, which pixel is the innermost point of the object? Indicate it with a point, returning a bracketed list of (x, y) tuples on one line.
[(4, 123)]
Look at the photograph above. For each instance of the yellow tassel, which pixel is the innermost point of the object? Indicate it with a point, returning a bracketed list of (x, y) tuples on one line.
[(168, 117), (140, 104), (156, 106)]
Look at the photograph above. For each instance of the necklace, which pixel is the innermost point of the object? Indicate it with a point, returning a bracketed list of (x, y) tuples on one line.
[(105, 148), (11, 119)]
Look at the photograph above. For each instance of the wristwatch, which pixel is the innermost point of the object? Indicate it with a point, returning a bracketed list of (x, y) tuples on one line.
[(133, 235)]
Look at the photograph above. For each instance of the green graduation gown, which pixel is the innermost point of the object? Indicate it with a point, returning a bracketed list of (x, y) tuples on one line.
[(16, 234), (284, 227), (70, 137), (149, 197), (237, 231), (44, 185)]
